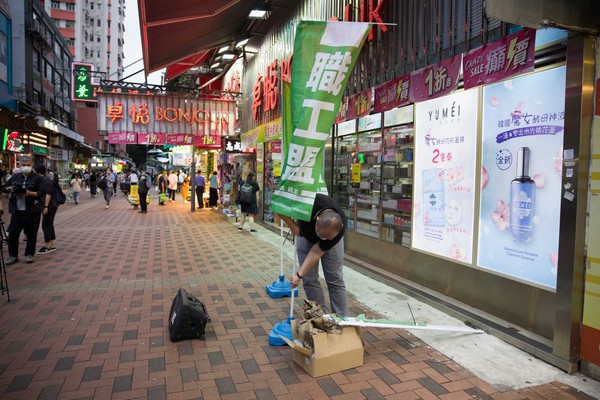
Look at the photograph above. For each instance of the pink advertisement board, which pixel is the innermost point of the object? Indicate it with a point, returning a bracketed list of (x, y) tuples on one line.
[(152, 138), (122, 138), (498, 60), (392, 94), (436, 80)]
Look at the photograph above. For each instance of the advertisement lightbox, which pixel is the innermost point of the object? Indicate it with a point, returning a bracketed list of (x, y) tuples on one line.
[(444, 176), (523, 128)]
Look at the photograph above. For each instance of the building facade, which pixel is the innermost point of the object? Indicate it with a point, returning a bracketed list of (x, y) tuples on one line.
[(390, 168), (93, 30)]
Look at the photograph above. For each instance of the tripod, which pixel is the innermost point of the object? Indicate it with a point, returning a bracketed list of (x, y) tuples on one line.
[(3, 278)]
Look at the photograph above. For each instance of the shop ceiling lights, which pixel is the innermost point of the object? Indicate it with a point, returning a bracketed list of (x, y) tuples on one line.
[(228, 56), (242, 43), (223, 49), (259, 12), (215, 65)]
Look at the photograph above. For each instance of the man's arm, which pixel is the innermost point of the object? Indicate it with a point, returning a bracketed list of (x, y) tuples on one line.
[(291, 224), (312, 259)]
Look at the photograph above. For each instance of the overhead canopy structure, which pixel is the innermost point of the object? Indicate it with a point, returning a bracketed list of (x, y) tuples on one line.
[(186, 31)]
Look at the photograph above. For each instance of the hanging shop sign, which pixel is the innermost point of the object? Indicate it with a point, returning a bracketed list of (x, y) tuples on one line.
[(135, 113), (274, 147), (359, 105), (342, 113), (180, 139), (151, 138), (272, 130), (233, 146), (123, 138), (521, 183), (392, 94), (82, 87), (399, 116), (11, 141), (444, 185), (324, 56), (512, 55), (436, 80)]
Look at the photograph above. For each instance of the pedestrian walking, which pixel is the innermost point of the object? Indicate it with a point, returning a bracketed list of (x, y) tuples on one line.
[(185, 189), (250, 208), (49, 212), (321, 238), (214, 191), (93, 184), (200, 184), (110, 184), (76, 183), (144, 187), (172, 185)]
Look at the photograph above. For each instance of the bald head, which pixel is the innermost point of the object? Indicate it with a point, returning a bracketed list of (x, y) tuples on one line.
[(329, 224)]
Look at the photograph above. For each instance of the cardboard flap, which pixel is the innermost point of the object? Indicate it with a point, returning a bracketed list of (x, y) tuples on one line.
[(327, 344), (296, 346)]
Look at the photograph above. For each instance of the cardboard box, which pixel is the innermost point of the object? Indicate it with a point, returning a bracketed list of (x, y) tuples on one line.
[(332, 353)]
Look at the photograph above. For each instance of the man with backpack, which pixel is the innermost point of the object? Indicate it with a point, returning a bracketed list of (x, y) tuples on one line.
[(143, 190), (52, 200)]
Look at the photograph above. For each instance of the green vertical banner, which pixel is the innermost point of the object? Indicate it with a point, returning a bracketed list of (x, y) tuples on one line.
[(324, 56)]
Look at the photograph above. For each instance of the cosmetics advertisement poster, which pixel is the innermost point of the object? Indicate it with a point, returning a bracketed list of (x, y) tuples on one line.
[(523, 128), (444, 184)]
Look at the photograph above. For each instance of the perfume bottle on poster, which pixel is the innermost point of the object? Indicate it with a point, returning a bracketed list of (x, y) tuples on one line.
[(522, 199)]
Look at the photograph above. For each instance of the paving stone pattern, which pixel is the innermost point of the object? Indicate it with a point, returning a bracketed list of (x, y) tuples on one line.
[(89, 321)]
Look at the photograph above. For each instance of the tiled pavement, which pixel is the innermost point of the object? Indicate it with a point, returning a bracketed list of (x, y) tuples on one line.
[(89, 321)]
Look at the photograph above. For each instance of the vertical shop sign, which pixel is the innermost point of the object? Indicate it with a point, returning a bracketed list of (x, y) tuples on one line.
[(324, 56), (82, 88), (343, 112), (233, 146), (499, 60), (523, 129), (436, 80), (444, 185), (392, 94)]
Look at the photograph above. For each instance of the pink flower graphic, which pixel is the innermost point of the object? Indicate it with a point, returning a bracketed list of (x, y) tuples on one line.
[(485, 177), (501, 215), (454, 175), (457, 253), (558, 161), (540, 180), (494, 101)]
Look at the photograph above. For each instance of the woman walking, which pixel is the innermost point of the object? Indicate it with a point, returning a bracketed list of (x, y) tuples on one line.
[(252, 207), (76, 185), (93, 183)]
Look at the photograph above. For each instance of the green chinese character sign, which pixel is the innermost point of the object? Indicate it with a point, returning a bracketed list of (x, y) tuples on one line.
[(81, 87), (324, 56)]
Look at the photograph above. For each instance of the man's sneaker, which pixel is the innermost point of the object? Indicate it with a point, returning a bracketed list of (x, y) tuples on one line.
[(45, 250), (28, 259), (253, 231), (240, 229), (11, 260), (107, 207)]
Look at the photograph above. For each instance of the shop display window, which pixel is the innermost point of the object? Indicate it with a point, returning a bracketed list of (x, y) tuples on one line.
[(397, 184), (368, 187), (273, 160), (344, 193)]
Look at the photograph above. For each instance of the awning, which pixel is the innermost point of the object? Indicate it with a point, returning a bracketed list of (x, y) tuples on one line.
[(173, 32), (174, 70)]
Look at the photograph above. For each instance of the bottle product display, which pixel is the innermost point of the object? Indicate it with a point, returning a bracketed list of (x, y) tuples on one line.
[(344, 193), (397, 182), (368, 197), (373, 182), (522, 199)]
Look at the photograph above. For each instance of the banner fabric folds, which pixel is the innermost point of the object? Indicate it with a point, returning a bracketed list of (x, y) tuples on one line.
[(324, 56)]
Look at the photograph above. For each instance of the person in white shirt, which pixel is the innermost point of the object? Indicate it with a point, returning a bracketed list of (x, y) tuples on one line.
[(172, 185), (180, 180)]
